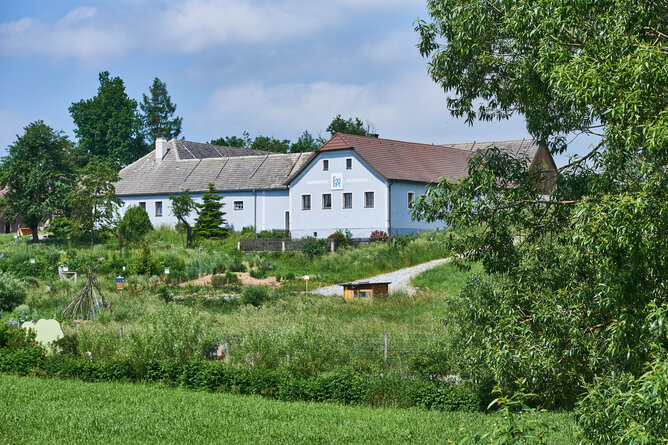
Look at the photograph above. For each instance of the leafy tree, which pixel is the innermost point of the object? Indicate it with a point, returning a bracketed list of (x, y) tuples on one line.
[(134, 225), (158, 111), (108, 125), (37, 175), (574, 277), (209, 223), (268, 143), (306, 142), (93, 200), (231, 141), (349, 126), (182, 206)]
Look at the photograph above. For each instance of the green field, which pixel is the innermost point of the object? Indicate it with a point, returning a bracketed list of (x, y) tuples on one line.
[(62, 411)]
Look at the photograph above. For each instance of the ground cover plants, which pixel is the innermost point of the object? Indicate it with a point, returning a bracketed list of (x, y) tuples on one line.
[(77, 412)]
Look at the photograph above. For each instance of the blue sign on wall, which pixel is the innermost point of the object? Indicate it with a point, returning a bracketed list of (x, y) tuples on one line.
[(337, 181)]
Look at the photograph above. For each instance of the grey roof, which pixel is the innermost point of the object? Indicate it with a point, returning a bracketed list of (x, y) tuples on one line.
[(521, 148), (233, 169)]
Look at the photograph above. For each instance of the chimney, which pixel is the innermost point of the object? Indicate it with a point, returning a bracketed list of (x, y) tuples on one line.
[(373, 135), (160, 149)]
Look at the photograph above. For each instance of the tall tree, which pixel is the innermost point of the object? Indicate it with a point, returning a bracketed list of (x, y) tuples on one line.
[(272, 144), (306, 142), (349, 126), (37, 175), (158, 114), (109, 125), (578, 279), (209, 223), (93, 200), (182, 206)]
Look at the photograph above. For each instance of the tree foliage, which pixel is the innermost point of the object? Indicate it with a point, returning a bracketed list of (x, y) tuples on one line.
[(135, 224), (349, 126), (210, 222), (268, 143), (306, 142), (109, 125), (182, 206), (158, 114), (573, 277), (93, 200), (37, 175)]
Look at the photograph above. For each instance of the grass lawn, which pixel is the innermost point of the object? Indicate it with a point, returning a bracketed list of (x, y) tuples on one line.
[(61, 411), (448, 278)]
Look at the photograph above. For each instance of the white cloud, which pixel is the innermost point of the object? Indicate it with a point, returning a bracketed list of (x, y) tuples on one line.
[(409, 107), (82, 34)]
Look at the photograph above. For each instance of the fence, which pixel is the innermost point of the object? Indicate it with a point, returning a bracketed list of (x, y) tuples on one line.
[(287, 244)]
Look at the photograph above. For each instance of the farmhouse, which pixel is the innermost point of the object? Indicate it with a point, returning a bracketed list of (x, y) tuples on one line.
[(358, 183)]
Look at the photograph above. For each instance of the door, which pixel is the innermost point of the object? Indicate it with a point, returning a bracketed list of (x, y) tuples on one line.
[(287, 222)]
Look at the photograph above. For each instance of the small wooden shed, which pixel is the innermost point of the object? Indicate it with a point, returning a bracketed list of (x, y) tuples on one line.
[(364, 290)]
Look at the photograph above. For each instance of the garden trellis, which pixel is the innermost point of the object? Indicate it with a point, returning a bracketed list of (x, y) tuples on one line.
[(87, 304)]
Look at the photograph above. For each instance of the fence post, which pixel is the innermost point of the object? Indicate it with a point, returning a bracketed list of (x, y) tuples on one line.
[(283, 246), (385, 347), (331, 245), (226, 350)]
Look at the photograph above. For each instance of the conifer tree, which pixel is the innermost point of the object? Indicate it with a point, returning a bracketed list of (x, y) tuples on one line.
[(210, 222), (158, 113)]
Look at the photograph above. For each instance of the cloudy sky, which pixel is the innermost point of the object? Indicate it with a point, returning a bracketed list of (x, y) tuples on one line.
[(272, 68)]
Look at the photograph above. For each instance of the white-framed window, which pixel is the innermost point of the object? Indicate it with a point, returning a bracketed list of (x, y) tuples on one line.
[(238, 205), (347, 200), (368, 200), (411, 198), (306, 202), (327, 201), (349, 163), (158, 208), (325, 165), (142, 204)]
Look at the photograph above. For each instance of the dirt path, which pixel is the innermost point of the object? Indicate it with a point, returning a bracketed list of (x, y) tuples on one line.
[(400, 280)]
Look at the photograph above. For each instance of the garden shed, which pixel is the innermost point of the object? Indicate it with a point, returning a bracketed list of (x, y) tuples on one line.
[(364, 290)]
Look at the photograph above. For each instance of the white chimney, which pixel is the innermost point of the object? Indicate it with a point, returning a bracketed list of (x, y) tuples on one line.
[(160, 149)]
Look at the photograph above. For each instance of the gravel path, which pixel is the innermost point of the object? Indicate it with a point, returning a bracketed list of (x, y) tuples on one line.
[(400, 280)]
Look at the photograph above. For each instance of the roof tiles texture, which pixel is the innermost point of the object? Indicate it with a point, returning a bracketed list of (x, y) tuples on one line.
[(239, 169)]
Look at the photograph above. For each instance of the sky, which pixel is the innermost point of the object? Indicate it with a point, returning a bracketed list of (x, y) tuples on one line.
[(273, 68)]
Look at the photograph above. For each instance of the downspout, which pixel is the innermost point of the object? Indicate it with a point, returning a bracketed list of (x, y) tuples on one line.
[(255, 210), (389, 208)]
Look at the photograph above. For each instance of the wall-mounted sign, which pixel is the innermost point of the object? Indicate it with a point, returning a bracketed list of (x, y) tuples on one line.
[(337, 181)]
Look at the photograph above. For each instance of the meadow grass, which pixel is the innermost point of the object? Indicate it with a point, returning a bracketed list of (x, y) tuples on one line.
[(448, 278), (62, 411)]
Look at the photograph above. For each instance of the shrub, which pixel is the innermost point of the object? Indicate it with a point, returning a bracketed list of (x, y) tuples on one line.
[(238, 265), (218, 281), (339, 239), (145, 264), (290, 276), (165, 293), (248, 232), (231, 278), (61, 228), (255, 295), (135, 224), (258, 274), (12, 293), (14, 337), (67, 345), (315, 247), (379, 235), (271, 234)]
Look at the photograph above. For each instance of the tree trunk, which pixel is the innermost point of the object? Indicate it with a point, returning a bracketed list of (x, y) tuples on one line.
[(92, 229), (189, 230), (35, 235), (183, 243)]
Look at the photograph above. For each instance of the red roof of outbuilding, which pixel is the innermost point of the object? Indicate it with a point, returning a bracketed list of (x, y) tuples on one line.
[(403, 161)]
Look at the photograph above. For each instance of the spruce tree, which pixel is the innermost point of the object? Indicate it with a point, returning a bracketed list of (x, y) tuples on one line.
[(210, 222), (158, 114)]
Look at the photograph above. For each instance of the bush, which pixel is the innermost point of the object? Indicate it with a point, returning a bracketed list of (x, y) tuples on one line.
[(218, 281), (339, 239), (61, 228), (258, 274), (135, 224), (14, 337), (145, 264), (12, 293), (232, 279), (255, 295), (315, 247), (238, 265), (165, 293), (290, 276), (379, 235), (271, 234)]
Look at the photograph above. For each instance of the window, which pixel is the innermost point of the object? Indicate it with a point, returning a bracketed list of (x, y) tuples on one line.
[(362, 293), (349, 163), (325, 165), (238, 205), (327, 201), (142, 205), (347, 200), (368, 200), (411, 197), (306, 202), (158, 208)]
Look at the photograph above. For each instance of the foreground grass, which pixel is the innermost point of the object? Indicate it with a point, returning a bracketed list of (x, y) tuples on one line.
[(448, 277), (57, 411)]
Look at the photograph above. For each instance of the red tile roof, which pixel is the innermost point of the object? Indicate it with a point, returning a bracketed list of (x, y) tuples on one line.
[(404, 161)]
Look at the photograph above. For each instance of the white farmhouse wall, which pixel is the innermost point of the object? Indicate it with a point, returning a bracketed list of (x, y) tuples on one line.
[(402, 223), (263, 209), (315, 181)]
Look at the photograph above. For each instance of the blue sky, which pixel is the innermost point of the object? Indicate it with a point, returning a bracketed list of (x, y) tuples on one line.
[(267, 67)]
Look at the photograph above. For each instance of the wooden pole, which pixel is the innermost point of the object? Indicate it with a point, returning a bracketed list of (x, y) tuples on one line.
[(385, 347)]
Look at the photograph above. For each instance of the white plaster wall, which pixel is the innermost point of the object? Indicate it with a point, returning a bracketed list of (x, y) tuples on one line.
[(402, 223)]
